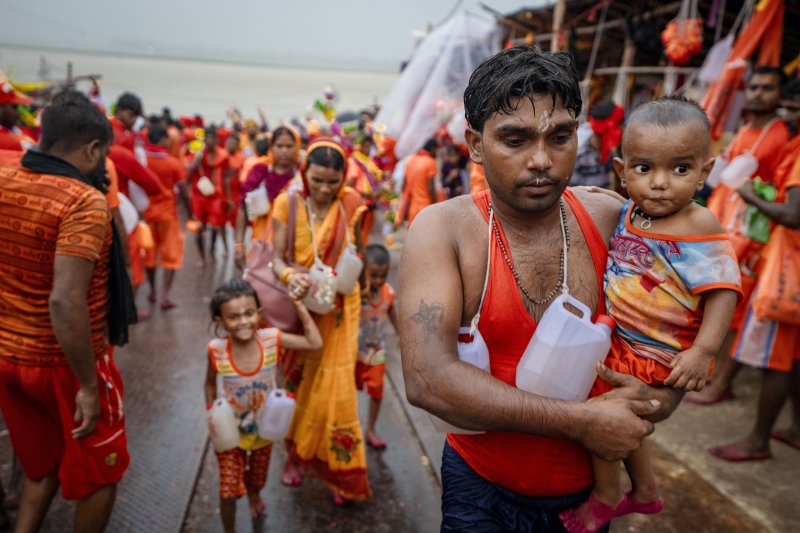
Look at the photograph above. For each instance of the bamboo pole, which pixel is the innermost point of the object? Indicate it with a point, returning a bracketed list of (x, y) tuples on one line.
[(616, 23), (558, 20)]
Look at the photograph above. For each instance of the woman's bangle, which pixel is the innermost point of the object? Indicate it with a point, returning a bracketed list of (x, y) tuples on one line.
[(286, 275)]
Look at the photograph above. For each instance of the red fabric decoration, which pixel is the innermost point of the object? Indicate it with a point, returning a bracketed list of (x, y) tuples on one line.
[(610, 131)]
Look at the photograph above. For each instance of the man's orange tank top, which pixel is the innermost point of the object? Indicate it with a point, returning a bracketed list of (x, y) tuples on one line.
[(527, 464)]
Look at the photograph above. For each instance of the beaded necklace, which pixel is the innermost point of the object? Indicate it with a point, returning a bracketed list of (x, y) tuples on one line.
[(562, 282)]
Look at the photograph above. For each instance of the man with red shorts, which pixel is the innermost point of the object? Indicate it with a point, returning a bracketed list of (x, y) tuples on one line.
[(210, 192), (162, 215), (55, 239)]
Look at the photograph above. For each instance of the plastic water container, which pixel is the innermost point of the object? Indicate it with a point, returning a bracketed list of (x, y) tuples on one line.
[(321, 297), (475, 353), (739, 170), (222, 426), (715, 176), (560, 360), (276, 415), (348, 269)]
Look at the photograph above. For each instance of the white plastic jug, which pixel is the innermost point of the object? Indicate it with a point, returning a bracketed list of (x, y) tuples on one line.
[(475, 353), (222, 426), (739, 170), (348, 269), (715, 176), (256, 203), (321, 297), (560, 360), (276, 415)]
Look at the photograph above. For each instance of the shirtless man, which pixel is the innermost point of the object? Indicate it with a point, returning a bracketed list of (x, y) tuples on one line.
[(532, 461)]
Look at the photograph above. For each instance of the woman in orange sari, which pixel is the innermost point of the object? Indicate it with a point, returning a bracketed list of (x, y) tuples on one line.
[(325, 436), (276, 173)]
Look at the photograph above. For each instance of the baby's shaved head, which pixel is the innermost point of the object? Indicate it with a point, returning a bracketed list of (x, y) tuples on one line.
[(669, 111)]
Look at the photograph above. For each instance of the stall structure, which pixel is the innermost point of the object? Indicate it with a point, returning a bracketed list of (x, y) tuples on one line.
[(632, 51)]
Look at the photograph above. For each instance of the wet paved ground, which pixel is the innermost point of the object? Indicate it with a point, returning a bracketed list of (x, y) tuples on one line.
[(172, 482)]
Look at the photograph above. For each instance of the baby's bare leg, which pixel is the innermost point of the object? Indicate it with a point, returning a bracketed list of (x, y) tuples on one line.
[(643, 478)]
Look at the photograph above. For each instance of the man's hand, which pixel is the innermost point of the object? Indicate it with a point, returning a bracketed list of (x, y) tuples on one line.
[(689, 370), (615, 428), (632, 388), (87, 411), (747, 191)]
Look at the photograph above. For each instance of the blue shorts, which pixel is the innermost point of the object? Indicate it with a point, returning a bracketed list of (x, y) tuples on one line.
[(471, 503)]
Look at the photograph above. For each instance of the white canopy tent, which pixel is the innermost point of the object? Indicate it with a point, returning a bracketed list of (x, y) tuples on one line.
[(430, 91)]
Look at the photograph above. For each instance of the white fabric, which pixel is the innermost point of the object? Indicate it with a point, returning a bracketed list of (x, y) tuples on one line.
[(430, 90)]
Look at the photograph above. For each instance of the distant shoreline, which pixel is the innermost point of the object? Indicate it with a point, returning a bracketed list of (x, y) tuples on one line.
[(159, 57)]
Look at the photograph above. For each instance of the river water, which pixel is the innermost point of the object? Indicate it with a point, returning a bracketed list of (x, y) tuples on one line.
[(204, 87)]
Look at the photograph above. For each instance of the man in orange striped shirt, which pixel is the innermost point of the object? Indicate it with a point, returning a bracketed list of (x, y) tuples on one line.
[(55, 241)]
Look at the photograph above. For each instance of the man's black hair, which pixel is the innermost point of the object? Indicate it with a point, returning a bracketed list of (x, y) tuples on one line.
[(602, 110), (792, 89), (377, 254), (668, 111), (233, 135), (262, 147), (521, 71), (71, 121), (775, 71), (130, 102), (430, 145), (155, 133), (211, 131)]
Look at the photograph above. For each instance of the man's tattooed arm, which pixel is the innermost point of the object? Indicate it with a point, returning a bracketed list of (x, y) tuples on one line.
[(429, 316)]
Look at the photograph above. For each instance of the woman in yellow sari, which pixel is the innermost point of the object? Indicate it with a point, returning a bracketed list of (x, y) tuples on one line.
[(325, 437), (276, 171)]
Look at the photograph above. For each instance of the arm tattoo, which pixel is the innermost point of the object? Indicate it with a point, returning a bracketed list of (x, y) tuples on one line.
[(429, 317)]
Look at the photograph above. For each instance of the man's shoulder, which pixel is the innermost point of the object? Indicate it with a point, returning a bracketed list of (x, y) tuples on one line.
[(603, 208), (455, 217)]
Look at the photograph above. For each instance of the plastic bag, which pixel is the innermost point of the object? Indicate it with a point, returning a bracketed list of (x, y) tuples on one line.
[(778, 294), (756, 223)]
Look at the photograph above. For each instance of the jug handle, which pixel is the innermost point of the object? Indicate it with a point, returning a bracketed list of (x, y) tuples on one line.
[(587, 313)]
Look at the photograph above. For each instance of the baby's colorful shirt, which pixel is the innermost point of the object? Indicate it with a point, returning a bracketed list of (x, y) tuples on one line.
[(371, 331), (654, 285), (247, 392)]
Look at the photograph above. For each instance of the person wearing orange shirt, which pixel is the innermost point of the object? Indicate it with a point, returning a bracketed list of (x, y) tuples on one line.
[(60, 391), (162, 216), (11, 138), (766, 136), (419, 188), (477, 178), (365, 177), (210, 191), (126, 111), (235, 163)]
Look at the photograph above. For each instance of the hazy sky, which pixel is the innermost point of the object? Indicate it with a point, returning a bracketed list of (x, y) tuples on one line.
[(353, 34)]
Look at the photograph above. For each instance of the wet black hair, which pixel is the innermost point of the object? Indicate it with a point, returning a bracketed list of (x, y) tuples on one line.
[(377, 254), (792, 89), (230, 290), (72, 121), (325, 156), (262, 146), (155, 133), (668, 111), (775, 71), (602, 110), (517, 72), (131, 102), (430, 145), (282, 130)]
